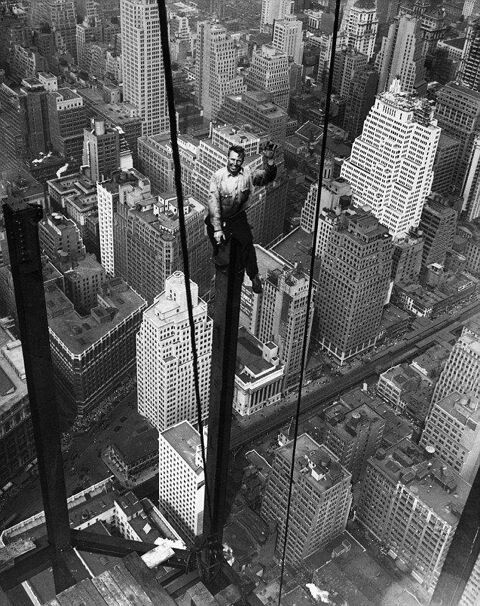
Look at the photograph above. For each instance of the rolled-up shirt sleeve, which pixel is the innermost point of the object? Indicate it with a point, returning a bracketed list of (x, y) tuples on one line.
[(214, 209)]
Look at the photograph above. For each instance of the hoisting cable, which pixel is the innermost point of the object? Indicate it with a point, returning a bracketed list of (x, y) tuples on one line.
[(310, 286), (167, 68)]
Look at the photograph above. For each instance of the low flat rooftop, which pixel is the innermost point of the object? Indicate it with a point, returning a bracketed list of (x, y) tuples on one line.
[(297, 248)]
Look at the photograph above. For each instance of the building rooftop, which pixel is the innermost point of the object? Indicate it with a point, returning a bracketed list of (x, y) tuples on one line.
[(455, 42), (185, 440), (464, 409), (347, 422), (431, 361), (251, 363), (117, 301), (13, 385), (315, 462), (296, 249), (427, 478), (143, 439)]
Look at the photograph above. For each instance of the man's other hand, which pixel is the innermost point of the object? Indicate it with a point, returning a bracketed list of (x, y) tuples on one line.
[(219, 237), (269, 150)]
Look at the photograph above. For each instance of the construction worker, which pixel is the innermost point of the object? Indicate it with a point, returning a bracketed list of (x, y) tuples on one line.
[(230, 189)]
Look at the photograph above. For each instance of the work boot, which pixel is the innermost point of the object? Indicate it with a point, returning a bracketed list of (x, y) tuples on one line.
[(257, 285)]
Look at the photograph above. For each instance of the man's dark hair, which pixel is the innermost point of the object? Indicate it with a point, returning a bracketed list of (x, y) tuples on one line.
[(238, 149)]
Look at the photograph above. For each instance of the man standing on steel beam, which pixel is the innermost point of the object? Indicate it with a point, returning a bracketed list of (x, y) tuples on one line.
[(230, 189)]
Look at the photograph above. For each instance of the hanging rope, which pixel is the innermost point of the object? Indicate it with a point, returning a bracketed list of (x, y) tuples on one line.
[(310, 287), (167, 67)]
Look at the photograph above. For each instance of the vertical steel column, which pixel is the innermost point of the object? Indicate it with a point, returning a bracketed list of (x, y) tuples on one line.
[(21, 223), (228, 286)]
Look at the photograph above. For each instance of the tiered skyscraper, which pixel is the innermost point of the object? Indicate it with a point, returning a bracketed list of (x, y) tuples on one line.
[(321, 498), (391, 164), (215, 68), (143, 75), (401, 57), (352, 283), (166, 393)]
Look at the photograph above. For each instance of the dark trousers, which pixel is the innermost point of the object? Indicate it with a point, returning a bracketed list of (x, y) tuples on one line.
[(235, 227)]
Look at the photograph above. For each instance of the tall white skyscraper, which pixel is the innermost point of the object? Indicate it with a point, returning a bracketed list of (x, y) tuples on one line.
[(461, 372), (181, 479), (273, 10), (165, 382), (401, 57), (288, 37), (390, 168), (361, 27), (269, 72), (143, 75), (215, 68)]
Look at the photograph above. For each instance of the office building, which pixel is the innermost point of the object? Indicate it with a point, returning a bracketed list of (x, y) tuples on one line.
[(101, 150), (92, 354), (60, 238), (407, 258), (279, 314), (452, 429), (60, 16), (90, 30), (438, 225), (471, 184), (462, 370), (68, 119), (394, 184), (269, 72), (143, 75), (352, 283), (288, 38), (348, 62), (411, 502), (472, 588), (397, 385), (359, 100), (258, 109), (469, 70), (181, 479), (446, 158), (165, 383), (321, 498), (259, 378), (401, 57), (215, 68), (361, 27), (273, 10), (457, 112), (139, 234), (17, 447), (353, 435)]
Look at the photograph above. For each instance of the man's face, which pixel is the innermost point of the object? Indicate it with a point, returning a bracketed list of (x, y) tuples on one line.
[(235, 161)]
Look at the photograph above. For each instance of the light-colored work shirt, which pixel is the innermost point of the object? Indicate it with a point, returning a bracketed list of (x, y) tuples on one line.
[(229, 194)]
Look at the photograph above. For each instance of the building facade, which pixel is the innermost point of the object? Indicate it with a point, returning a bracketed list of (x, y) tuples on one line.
[(165, 380)]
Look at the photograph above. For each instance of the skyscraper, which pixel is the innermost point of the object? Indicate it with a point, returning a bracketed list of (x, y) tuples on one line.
[(288, 37), (438, 224), (348, 63), (411, 502), (469, 71), (215, 68), (458, 114), (143, 75), (391, 164), (181, 480), (360, 98), (321, 498), (269, 72), (101, 150), (453, 429), (461, 372), (273, 10), (361, 27), (166, 393), (471, 183), (60, 15), (279, 314), (352, 283), (401, 57)]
